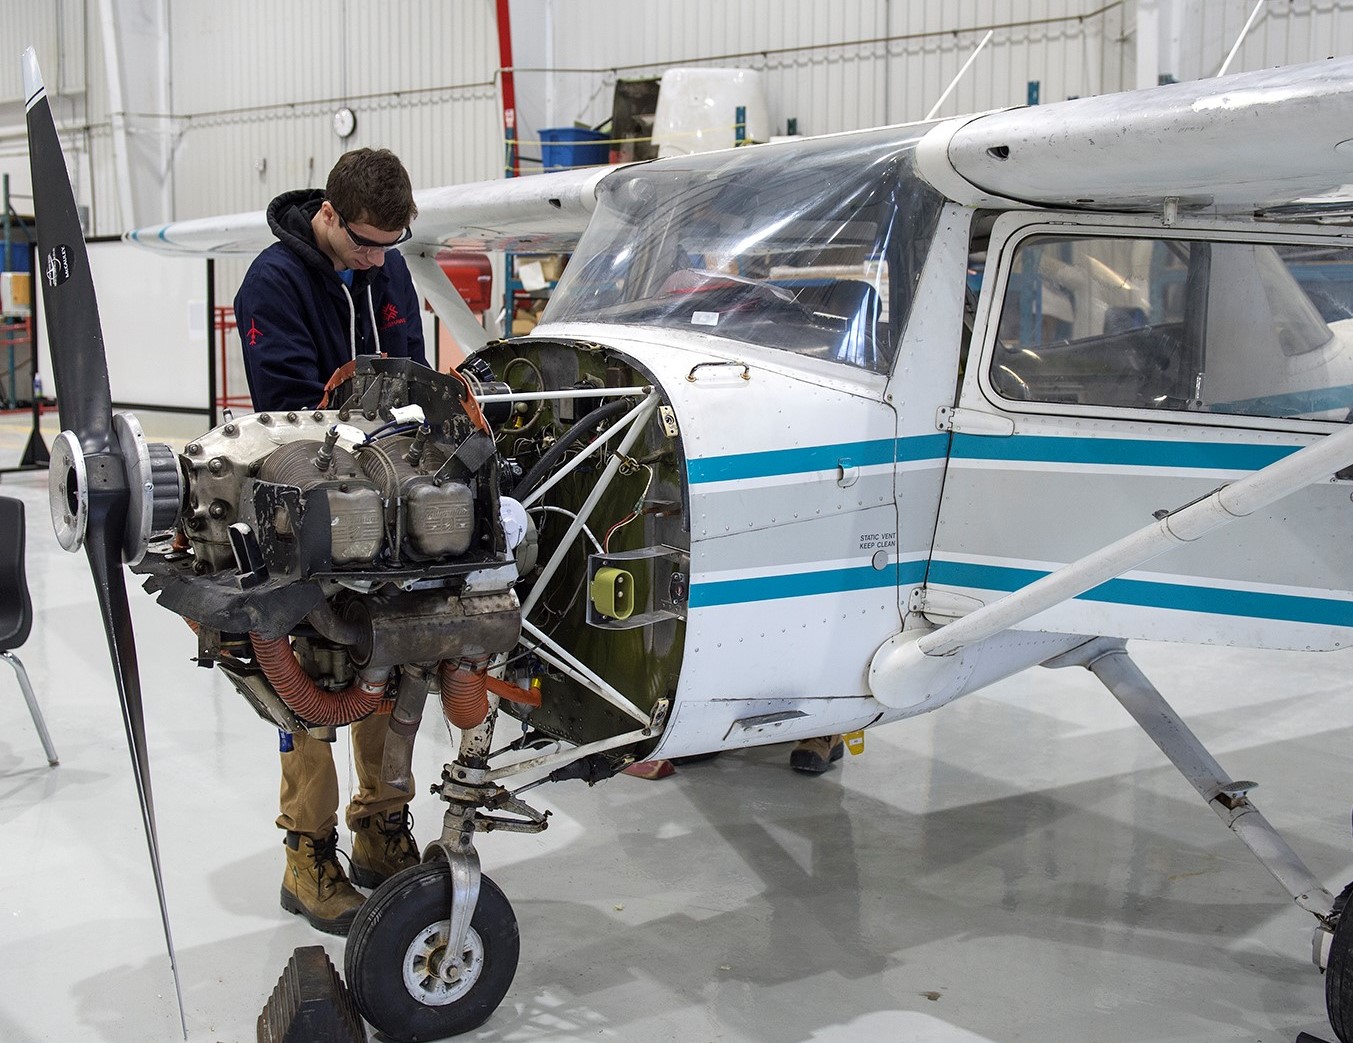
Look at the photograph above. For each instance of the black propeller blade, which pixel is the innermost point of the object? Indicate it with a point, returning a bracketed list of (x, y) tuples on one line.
[(91, 494)]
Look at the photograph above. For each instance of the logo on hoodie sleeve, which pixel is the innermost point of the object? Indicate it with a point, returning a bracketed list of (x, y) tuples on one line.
[(253, 333)]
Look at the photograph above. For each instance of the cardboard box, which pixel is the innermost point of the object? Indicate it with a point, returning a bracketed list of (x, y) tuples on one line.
[(16, 293)]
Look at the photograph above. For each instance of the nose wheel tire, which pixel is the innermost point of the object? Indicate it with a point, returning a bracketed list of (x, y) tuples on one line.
[(396, 947), (1339, 971)]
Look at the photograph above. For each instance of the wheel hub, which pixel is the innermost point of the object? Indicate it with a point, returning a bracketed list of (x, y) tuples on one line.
[(432, 979)]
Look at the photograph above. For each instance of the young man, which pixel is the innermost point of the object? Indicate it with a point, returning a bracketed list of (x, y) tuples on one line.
[(330, 289)]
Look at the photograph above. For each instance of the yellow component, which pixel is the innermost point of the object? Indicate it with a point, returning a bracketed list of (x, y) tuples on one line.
[(613, 592), (855, 742), (16, 293)]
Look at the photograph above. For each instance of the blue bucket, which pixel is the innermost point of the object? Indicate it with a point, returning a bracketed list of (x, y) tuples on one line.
[(564, 147)]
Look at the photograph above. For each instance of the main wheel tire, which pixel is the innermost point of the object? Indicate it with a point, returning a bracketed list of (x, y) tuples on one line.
[(1339, 971), (401, 928)]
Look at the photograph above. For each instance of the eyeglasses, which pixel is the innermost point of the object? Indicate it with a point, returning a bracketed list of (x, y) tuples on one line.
[(363, 243)]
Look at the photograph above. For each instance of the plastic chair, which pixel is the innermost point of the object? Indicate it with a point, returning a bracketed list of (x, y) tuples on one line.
[(16, 608)]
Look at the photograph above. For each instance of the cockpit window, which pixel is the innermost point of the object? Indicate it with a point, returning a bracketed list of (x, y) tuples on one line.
[(818, 257), (1180, 324)]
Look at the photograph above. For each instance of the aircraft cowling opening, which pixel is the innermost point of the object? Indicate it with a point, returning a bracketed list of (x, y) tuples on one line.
[(610, 537)]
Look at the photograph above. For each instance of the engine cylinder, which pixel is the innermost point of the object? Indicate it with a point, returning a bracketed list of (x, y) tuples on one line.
[(357, 526)]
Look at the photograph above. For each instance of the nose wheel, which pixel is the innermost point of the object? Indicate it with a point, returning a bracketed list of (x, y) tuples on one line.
[(1339, 971), (396, 961)]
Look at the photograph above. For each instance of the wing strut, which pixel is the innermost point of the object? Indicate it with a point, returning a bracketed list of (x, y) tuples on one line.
[(91, 497)]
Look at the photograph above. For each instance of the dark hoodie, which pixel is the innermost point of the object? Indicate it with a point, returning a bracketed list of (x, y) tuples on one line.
[(298, 321)]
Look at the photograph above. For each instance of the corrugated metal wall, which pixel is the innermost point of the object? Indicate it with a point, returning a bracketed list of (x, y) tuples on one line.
[(255, 82), (71, 57), (848, 64), (1285, 32), (255, 106)]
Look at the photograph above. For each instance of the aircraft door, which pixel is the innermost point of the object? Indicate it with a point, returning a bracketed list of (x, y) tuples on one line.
[(1121, 368)]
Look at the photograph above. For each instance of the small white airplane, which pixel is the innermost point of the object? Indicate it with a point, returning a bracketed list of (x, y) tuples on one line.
[(771, 467)]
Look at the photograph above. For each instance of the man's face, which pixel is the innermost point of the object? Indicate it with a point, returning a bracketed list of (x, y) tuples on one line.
[(357, 244)]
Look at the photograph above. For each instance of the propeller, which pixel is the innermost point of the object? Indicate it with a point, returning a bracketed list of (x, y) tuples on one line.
[(104, 476)]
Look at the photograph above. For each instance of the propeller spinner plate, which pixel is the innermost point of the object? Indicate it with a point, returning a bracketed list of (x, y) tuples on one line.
[(155, 483), (68, 491)]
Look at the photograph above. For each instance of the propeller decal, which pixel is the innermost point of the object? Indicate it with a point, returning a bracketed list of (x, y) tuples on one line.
[(57, 268)]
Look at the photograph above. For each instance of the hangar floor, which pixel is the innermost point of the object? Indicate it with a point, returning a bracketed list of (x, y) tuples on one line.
[(1021, 865)]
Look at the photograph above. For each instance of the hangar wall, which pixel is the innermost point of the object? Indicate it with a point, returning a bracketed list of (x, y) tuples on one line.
[(252, 84), (854, 63), (69, 48), (256, 84)]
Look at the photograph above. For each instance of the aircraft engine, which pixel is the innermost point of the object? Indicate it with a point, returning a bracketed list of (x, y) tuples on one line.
[(334, 561)]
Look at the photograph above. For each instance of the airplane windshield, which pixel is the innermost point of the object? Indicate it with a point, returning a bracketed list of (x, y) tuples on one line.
[(820, 257)]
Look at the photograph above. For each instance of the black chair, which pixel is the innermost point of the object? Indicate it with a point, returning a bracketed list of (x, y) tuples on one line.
[(16, 608)]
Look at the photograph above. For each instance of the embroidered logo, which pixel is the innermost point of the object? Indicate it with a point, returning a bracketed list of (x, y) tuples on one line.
[(390, 317), (254, 333)]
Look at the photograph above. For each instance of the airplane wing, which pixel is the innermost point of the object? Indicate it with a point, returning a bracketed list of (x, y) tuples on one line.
[(1254, 139), (543, 213), (1234, 142)]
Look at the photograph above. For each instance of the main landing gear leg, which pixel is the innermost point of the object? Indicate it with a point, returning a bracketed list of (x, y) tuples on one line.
[(1109, 661), (434, 949), (1332, 945)]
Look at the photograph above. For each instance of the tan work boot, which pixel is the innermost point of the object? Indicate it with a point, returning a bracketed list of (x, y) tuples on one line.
[(814, 756), (315, 885), (382, 845)]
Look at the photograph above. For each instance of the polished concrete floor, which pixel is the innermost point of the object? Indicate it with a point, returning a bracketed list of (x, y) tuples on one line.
[(1021, 865)]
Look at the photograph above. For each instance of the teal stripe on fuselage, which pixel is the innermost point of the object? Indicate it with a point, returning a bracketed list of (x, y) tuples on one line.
[(1143, 593), (803, 584), (1129, 452), (1253, 604), (777, 462), (1052, 449)]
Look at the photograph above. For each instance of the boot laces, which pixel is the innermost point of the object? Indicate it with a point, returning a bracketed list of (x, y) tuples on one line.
[(328, 870), (397, 830)]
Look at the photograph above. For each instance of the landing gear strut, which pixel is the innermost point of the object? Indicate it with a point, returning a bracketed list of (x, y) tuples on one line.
[(1332, 944), (434, 949)]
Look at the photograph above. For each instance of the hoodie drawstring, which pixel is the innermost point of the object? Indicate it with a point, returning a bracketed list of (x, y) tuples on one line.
[(352, 317), (375, 333)]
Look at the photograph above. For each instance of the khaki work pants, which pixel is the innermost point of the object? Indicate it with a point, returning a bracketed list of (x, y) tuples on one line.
[(309, 795)]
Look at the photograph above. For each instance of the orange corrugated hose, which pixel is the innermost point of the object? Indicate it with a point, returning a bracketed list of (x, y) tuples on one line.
[(306, 699), (465, 694)]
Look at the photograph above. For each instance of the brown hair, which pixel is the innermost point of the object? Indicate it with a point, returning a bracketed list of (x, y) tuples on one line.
[(371, 186)]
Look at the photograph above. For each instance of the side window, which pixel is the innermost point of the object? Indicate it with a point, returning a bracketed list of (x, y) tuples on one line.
[(1178, 324)]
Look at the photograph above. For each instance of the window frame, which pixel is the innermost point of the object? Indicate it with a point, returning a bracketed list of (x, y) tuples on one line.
[(1009, 232)]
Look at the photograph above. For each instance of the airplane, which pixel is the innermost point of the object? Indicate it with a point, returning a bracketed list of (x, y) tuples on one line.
[(813, 436)]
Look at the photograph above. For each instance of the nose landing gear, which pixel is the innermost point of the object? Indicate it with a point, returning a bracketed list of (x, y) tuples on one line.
[(434, 949), (396, 965), (1337, 960)]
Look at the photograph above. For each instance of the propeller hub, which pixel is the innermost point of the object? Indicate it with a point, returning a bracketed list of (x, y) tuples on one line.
[(68, 491), (155, 483)]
